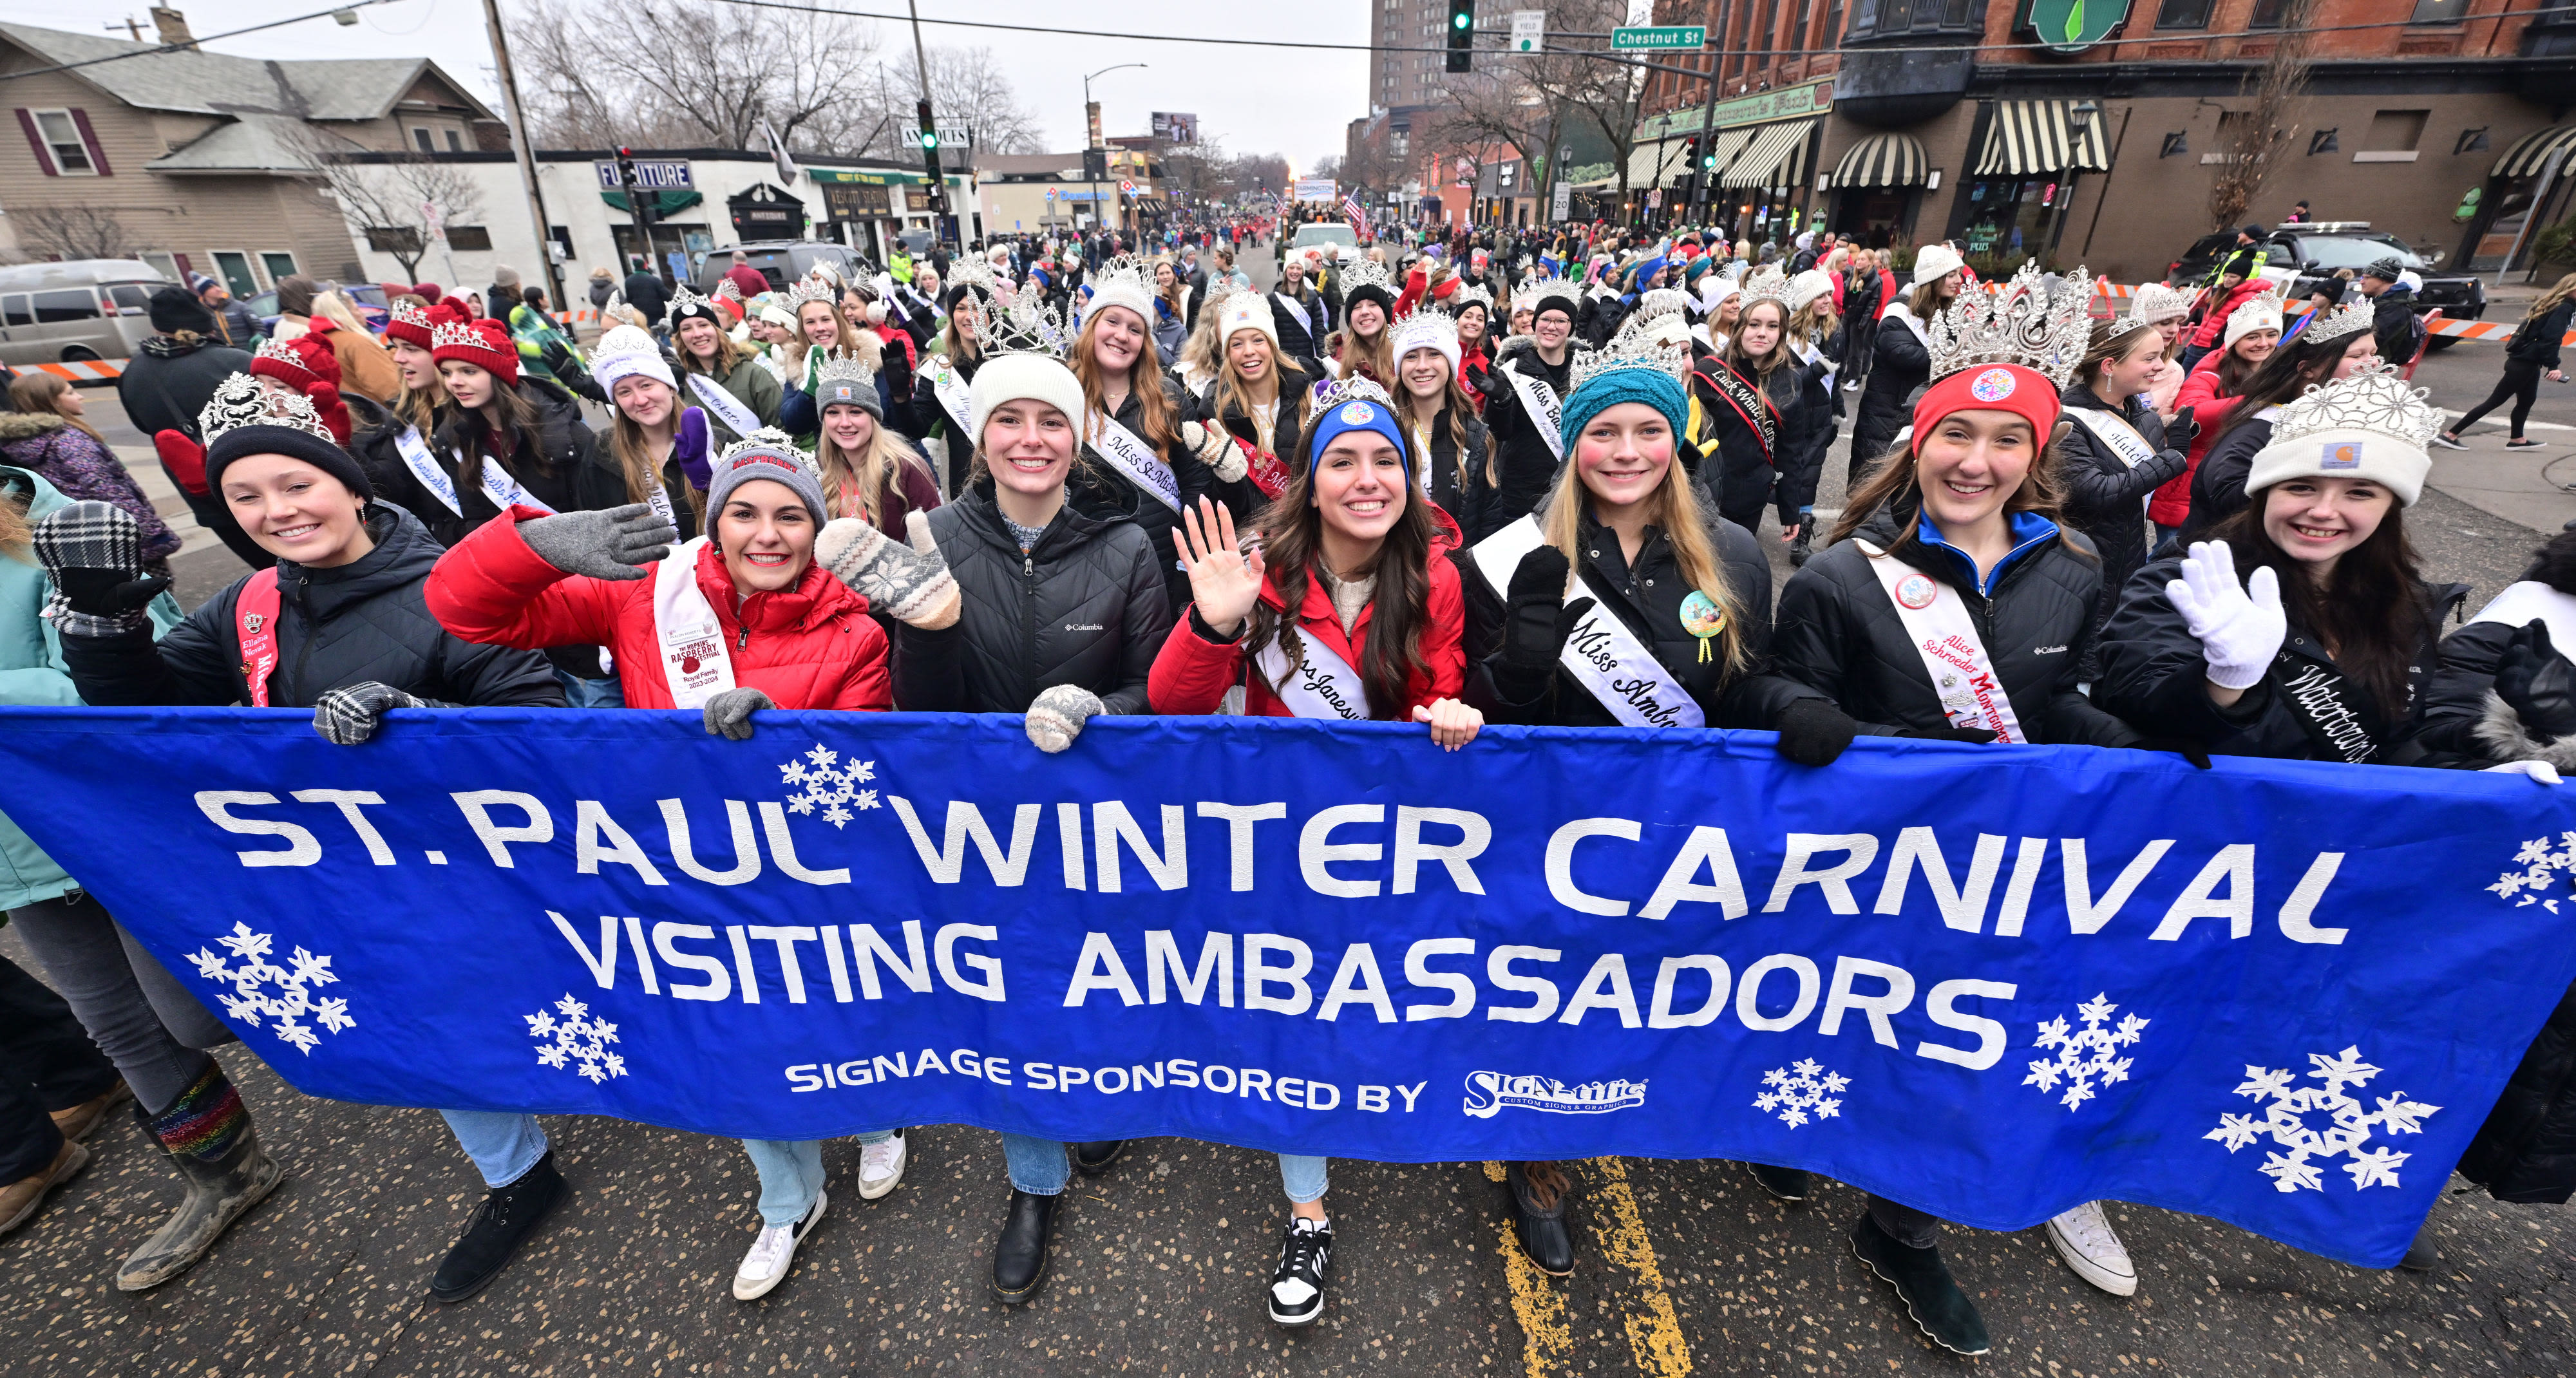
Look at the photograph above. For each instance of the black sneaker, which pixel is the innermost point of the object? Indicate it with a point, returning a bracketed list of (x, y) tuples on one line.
[(1923, 1282), (1784, 1183), (504, 1220), (1094, 1158), (1297, 1286), (1020, 1255)]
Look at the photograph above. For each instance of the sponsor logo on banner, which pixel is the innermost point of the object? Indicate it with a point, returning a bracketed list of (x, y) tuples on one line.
[(1489, 1093)]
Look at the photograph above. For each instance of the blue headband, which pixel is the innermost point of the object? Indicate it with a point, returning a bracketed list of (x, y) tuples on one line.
[(1358, 414)]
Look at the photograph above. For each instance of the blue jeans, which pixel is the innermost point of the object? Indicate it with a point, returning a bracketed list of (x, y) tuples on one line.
[(1304, 1176), (504, 1144), (791, 1174), (1040, 1167), (591, 693)]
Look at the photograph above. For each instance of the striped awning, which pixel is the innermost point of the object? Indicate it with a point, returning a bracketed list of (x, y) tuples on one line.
[(2030, 137), (2529, 156), (1883, 160), (1775, 156)]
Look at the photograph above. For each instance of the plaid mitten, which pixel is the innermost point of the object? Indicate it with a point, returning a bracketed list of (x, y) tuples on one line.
[(910, 584), (350, 714), (93, 552)]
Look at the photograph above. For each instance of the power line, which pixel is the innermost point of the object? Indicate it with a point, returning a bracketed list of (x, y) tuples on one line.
[(192, 42)]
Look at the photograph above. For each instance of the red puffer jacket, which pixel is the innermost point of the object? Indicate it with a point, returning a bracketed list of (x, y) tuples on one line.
[(2213, 325), (1191, 675), (812, 646), (2171, 504)]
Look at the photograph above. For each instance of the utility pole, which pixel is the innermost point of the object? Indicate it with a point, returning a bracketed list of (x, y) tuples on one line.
[(527, 155), (929, 125)]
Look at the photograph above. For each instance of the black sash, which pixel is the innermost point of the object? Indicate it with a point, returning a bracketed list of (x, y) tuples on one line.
[(2335, 714), (1748, 402)]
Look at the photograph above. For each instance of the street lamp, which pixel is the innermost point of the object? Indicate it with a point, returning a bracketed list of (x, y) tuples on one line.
[(1089, 116)]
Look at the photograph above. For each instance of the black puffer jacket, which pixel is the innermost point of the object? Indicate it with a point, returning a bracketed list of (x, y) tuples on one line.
[(362, 621), (1298, 335), (1086, 607), (2537, 341), (1458, 478), (1838, 632), (163, 387), (2457, 701), (2218, 485), (1746, 471), (1647, 596), (1899, 363), (1189, 471), (1526, 461), (1796, 489), (2105, 498), (2526, 1150), (2154, 676)]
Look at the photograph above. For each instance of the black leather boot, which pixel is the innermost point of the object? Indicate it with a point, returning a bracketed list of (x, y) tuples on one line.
[(1539, 1214), (1094, 1158), (1020, 1255)]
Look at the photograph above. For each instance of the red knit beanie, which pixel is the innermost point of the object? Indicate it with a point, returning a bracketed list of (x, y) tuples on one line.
[(299, 363), (2025, 392), (414, 323), (484, 344)]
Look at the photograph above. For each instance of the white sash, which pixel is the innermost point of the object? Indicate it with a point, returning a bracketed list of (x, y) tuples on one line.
[(505, 490), (1607, 659), (1811, 354), (657, 494), (424, 466), (1322, 685), (1541, 402), (1297, 312), (728, 408), (1897, 309), (1937, 622), (2116, 434), (1141, 465), (954, 393), (2523, 601), (694, 662)]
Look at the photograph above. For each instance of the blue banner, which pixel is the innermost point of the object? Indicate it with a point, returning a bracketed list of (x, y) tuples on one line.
[(1990, 984)]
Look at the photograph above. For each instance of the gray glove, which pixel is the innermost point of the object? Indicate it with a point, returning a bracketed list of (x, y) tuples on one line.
[(729, 713), (350, 714), (910, 584), (1058, 715), (612, 544)]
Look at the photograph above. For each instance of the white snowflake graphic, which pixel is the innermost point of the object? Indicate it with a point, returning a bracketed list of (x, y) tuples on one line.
[(2536, 865), (2087, 1057), (252, 972), (832, 793), (1801, 1090), (2285, 1119), (575, 1040)]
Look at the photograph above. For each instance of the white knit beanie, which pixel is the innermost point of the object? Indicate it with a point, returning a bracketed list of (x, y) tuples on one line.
[(1033, 377), (2367, 426), (2262, 311), (1245, 311), (627, 351)]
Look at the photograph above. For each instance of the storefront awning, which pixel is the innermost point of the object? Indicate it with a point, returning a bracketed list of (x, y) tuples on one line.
[(1776, 156), (2031, 137), (2530, 154), (1883, 160), (664, 202)]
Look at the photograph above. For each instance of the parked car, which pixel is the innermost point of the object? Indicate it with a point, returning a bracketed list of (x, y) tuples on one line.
[(373, 309), (2300, 256), (1337, 240), (87, 308), (783, 261)]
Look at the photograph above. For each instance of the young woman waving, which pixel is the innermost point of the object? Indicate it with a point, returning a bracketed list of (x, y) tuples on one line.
[(2335, 347)]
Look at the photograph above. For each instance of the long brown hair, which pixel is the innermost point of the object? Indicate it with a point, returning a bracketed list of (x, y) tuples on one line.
[(1454, 404), (2371, 614), (846, 338), (1294, 391), (1891, 486), (1159, 421), (628, 444), (870, 484), (1676, 511), (1291, 543), (1379, 354), (730, 353), (1925, 300), (39, 393), (461, 433), (2294, 366)]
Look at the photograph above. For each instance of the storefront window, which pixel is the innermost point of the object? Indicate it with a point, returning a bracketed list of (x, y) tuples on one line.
[(2011, 220)]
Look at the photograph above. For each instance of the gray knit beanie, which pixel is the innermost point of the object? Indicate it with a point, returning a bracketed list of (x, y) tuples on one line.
[(769, 454)]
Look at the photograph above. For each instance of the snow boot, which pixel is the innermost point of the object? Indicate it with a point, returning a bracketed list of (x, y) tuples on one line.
[(208, 1134)]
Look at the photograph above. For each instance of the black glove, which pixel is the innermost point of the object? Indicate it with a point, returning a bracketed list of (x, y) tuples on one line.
[(1975, 736), (1536, 623), (2537, 683), (2189, 748), (93, 551), (1814, 732), (2180, 431)]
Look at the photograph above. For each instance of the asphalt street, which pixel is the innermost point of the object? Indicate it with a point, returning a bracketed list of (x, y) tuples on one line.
[(1159, 1267)]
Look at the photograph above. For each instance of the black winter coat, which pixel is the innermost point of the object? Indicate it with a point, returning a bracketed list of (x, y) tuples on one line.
[(163, 388), (2456, 701), (1458, 480), (1899, 363), (1745, 473), (1298, 335), (2392, 323), (2154, 676), (359, 622), (2526, 1150), (1088, 606), (1838, 632), (2218, 485), (2105, 498), (1525, 460), (1285, 440), (2533, 341), (924, 416), (1188, 471)]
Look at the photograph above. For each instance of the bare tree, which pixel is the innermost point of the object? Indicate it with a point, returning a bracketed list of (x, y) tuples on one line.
[(74, 231), (678, 73), (968, 87), (2250, 141), (1260, 172), (392, 198)]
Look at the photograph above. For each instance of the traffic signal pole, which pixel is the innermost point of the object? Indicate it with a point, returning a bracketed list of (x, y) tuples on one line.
[(1707, 128)]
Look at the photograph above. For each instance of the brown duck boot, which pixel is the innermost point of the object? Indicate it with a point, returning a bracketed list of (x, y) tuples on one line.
[(208, 1134)]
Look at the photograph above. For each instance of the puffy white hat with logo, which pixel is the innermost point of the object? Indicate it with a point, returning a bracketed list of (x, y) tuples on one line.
[(1427, 327), (2261, 311), (2367, 426), (1244, 311)]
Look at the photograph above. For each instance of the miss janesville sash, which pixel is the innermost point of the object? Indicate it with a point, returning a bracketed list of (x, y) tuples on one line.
[(1320, 685), (1747, 402), (953, 392), (694, 662), (1541, 402), (1607, 659), (1937, 622), (1132, 457), (424, 467), (729, 409)]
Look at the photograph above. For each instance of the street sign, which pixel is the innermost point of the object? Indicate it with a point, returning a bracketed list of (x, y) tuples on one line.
[(656, 176), (1563, 206), (950, 136), (1529, 31), (1658, 38)]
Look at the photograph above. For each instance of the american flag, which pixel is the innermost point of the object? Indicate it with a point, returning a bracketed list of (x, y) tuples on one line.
[(1352, 212)]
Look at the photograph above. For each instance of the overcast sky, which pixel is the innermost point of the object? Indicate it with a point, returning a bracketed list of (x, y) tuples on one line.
[(1253, 100)]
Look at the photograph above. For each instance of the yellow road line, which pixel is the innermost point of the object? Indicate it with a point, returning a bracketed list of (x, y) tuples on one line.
[(1655, 1336), (1547, 1336)]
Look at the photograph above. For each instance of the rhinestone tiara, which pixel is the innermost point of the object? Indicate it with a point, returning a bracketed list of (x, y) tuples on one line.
[(1334, 392), (685, 298), (1538, 290), (1662, 301), (1639, 344), (411, 313), (772, 439), (2155, 302), (282, 352), (804, 290), (2266, 302), (459, 334), (1766, 283), (1424, 327), (2351, 318), (2019, 322), (2374, 399), (1022, 323), (1126, 281), (971, 272), (241, 400), (1365, 272), (845, 366), (1472, 294)]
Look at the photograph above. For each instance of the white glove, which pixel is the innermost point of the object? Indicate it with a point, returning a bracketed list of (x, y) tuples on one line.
[(2240, 629), (1058, 715), (1216, 448), (2541, 771)]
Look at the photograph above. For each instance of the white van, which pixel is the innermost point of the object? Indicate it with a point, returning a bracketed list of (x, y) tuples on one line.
[(88, 308)]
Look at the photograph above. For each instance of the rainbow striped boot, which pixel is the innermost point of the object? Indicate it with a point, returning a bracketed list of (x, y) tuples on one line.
[(207, 1132)]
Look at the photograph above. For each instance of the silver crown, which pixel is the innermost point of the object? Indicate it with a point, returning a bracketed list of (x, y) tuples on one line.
[(774, 441), (804, 290), (1472, 294), (2351, 318), (1365, 272), (844, 366), (2265, 302), (971, 272), (1540, 289), (685, 298), (2020, 322), (1424, 327), (1662, 301), (1334, 392), (1767, 283), (2156, 302), (241, 400), (2374, 398), (1639, 344), (1022, 323), (458, 335), (1126, 281)]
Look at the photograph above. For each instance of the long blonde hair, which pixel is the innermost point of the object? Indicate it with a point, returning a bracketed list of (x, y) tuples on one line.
[(17, 536), (847, 339), (335, 308), (2548, 301), (1159, 421), (1294, 391), (41, 393), (1676, 511), (863, 489), (627, 443)]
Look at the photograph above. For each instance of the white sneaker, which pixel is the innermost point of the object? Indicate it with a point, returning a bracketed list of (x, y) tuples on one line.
[(881, 1166), (773, 1253), (2084, 1239)]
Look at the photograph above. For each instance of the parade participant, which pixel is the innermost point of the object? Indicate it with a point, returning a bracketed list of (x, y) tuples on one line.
[(820, 328), (1474, 308), (1439, 417), (1260, 397), (1954, 543), (2531, 354), (658, 445), (339, 627), (2326, 350), (2165, 308), (1900, 355), (2211, 394), (1816, 340), (1141, 444), (1172, 311), (788, 635), (1860, 305), (49, 436), (2118, 453), (868, 470), (1064, 606), (723, 375), (1721, 305), (1361, 347), (1754, 396), (1524, 415), (1523, 318), (1302, 318), (939, 406)]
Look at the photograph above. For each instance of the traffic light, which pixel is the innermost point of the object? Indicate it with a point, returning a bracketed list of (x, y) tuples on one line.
[(1708, 161), (1690, 152), (638, 204), (1462, 33)]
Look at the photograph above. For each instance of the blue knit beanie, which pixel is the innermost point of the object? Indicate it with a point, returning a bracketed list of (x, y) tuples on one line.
[(1652, 386)]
